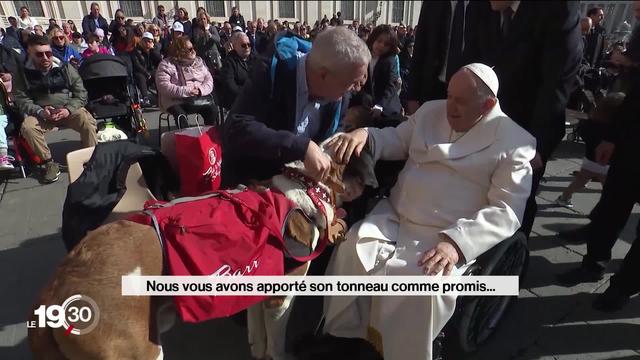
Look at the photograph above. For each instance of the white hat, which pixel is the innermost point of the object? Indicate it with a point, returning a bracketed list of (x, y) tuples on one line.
[(237, 28), (147, 35), (177, 26), (486, 74), (99, 32)]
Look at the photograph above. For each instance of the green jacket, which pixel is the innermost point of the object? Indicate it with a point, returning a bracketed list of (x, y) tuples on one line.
[(61, 87)]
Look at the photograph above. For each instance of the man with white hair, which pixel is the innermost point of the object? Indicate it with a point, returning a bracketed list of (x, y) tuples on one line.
[(292, 102), (463, 190), (236, 69)]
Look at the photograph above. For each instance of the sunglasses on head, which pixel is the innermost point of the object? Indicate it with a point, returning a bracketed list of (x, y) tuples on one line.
[(42, 54)]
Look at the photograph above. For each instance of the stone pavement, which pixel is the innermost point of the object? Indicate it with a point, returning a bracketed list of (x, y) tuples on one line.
[(546, 322)]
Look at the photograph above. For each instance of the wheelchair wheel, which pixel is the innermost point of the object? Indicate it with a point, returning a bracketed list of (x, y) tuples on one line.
[(477, 318)]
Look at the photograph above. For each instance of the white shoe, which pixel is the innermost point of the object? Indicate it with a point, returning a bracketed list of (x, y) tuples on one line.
[(6, 162), (562, 202)]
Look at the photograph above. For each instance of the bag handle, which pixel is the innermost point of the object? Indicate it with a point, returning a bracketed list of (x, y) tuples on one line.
[(277, 233)]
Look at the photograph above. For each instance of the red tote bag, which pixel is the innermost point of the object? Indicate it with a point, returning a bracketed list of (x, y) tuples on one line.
[(199, 154)]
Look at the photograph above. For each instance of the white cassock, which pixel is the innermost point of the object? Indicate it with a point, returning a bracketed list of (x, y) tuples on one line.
[(473, 189)]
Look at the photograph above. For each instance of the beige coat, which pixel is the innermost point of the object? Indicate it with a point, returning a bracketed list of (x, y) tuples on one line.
[(474, 190)]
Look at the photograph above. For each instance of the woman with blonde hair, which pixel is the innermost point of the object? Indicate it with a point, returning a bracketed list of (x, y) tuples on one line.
[(61, 49), (185, 84), (156, 32), (206, 39)]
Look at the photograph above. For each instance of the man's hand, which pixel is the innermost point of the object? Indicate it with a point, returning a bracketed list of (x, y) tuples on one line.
[(443, 256), (47, 112), (316, 163), (604, 151), (412, 107), (536, 162), (6, 77), (344, 145), (59, 114)]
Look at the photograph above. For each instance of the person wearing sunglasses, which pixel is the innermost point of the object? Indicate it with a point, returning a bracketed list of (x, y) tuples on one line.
[(61, 48), (235, 69), (50, 94), (182, 77)]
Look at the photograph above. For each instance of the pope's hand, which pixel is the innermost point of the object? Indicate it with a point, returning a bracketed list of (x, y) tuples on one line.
[(316, 163), (344, 145), (443, 256)]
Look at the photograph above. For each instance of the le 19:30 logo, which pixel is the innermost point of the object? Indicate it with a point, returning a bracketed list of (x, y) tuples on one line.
[(78, 315)]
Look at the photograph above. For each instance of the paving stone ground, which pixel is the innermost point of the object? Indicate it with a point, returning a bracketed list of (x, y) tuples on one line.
[(546, 322)]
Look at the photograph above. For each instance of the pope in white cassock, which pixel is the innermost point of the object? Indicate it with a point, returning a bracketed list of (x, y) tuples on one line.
[(463, 190)]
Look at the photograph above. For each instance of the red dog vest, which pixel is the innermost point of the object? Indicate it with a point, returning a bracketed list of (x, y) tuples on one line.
[(222, 233)]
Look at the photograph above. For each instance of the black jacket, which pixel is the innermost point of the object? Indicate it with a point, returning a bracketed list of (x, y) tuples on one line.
[(258, 135), (431, 41), (594, 45), (237, 21), (234, 74), (262, 42), (206, 45), (89, 26), (380, 88), (536, 65), (145, 63)]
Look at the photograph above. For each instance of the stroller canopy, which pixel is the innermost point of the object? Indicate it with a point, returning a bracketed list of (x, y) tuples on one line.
[(101, 66)]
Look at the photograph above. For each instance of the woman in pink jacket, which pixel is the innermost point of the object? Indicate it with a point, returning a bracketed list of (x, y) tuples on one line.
[(185, 85)]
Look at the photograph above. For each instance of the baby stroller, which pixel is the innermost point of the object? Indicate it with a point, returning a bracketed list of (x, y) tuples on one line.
[(110, 97)]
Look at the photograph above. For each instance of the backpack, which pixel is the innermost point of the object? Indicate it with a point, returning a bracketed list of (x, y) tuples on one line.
[(92, 197), (287, 46)]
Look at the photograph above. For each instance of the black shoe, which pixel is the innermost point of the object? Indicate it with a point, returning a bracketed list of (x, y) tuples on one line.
[(584, 273), (575, 236), (611, 300)]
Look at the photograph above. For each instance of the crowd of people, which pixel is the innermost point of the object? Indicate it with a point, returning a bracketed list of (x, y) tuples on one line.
[(485, 84)]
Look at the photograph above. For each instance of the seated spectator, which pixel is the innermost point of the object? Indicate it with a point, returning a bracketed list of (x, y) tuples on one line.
[(146, 59), (235, 70), (61, 49), (94, 47), (66, 28), (380, 92), (225, 36), (462, 191), (181, 77), (73, 25), (12, 30), (102, 40), (120, 35), (206, 40), (94, 21), (78, 43), (50, 94), (9, 64), (38, 30), (52, 25), (26, 21), (177, 30)]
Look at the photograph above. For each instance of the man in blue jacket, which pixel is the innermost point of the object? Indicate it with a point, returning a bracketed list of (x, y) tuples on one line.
[(291, 103)]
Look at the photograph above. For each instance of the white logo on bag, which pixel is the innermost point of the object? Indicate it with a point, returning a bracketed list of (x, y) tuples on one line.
[(226, 270), (214, 165)]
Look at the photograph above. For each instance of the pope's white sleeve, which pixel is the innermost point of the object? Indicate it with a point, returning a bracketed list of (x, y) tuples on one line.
[(391, 143), (501, 218)]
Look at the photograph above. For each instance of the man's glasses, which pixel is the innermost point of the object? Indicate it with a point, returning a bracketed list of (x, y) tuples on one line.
[(41, 54), (245, 45)]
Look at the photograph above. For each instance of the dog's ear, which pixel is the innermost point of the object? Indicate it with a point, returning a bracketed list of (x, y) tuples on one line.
[(299, 228), (334, 180)]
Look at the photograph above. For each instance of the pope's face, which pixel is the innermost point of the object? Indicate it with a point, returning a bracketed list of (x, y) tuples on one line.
[(464, 105)]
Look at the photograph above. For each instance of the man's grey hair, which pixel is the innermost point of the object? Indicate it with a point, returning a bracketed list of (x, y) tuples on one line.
[(337, 49), (236, 36)]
